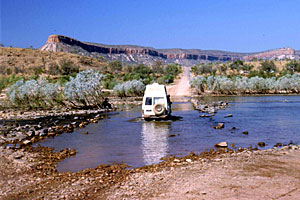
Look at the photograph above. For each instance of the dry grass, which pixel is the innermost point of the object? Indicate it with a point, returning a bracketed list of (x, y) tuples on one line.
[(280, 64), (28, 61)]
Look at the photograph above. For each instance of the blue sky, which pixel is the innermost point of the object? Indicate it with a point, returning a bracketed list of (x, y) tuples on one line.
[(232, 25)]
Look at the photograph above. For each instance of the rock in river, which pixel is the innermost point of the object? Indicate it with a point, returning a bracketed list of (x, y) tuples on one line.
[(221, 144), (219, 126), (261, 144)]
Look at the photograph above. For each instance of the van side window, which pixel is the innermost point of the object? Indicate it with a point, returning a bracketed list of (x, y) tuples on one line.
[(158, 100), (148, 101)]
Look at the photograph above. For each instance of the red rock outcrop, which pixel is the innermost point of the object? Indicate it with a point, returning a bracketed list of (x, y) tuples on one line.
[(180, 54), (271, 53), (128, 49)]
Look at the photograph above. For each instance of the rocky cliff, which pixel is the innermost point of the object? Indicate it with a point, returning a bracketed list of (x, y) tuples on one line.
[(271, 54), (146, 55)]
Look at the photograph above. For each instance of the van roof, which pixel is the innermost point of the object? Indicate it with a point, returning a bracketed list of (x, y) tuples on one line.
[(156, 90)]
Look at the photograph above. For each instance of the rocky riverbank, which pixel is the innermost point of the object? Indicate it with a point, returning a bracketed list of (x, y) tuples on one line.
[(24, 127), (28, 128), (29, 173)]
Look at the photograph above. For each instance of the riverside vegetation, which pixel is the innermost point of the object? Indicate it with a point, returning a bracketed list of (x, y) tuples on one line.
[(238, 78), (54, 79)]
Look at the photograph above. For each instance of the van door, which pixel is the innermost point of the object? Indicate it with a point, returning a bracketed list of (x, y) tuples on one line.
[(148, 109)]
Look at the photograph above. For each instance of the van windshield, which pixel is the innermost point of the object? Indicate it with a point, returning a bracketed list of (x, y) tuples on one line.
[(159, 100), (148, 101)]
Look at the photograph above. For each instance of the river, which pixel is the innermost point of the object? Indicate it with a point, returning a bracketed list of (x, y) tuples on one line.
[(125, 137)]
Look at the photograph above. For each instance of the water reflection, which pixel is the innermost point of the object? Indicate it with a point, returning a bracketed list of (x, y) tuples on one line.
[(154, 141)]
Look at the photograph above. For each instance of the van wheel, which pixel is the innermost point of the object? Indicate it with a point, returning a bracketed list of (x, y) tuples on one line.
[(159, 109)]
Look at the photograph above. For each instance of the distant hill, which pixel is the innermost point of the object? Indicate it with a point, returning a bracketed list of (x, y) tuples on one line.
[(148, 55)]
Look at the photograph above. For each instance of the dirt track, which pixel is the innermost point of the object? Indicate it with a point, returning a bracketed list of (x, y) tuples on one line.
[(181, 87)]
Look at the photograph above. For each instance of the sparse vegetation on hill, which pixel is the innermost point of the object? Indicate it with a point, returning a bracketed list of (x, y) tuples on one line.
[(45, 70)]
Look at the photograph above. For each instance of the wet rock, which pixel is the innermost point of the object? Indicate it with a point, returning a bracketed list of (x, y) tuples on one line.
[(51, 134), (171, 135), (43, 133), (26, 142), (205, 116), (219, 126), (37, 127), (86, 133), (36, 133), (245, 132), (31, 133), (221, 144), (278, 144), (233, 128), (261, 144), (81, 125), (73, 123), (45, 130)]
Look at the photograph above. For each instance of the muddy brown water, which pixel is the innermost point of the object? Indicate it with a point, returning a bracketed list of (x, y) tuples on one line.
[(125, 137)]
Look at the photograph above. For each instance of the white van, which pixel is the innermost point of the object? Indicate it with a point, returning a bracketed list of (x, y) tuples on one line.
[(156, 102)]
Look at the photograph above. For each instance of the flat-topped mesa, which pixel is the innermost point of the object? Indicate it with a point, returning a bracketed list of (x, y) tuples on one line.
[(105, 49), (53, 40), (271, 53)]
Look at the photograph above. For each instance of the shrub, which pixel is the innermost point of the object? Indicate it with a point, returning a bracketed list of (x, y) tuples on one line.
[(6, 81), (85, 89), (130, 88), (67, 67), (115, 66), (198, 83), (173, 69), (202, 69), (34, 93), (242, 85), (268, 66), (293, 66)]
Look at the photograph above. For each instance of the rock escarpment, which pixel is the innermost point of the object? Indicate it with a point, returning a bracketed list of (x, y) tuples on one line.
[(275, 53), (54, 41), (146, 55)]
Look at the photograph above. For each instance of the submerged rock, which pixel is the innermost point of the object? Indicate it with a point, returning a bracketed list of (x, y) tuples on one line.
[(261, 144)]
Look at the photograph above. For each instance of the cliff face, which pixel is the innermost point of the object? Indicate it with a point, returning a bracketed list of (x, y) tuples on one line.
[(271, 54), (192, 56), (133, 50)]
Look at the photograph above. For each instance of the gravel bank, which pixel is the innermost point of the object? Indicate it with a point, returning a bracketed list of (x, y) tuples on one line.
[(266, 174), (29, 173)]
